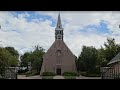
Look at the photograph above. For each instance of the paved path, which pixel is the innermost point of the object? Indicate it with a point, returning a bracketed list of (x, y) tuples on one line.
[(58, 77), (31, 77), (55, 77)]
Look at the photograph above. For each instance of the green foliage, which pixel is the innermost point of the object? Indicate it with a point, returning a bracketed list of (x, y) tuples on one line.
[(7, 59), (87, 59), (70, 74), (48, 74), (12, 51), (83, 73), (91, 59), (111, 49), (35, 57)]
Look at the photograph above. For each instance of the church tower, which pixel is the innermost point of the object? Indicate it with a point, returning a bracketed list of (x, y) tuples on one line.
[(58, 59), (59, 30)]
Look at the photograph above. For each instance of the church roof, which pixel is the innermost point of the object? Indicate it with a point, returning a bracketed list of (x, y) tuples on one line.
[(115, 59), (58, 45)]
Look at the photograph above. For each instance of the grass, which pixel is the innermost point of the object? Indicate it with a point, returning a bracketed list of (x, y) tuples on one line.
[(47, 77), (70, 77)]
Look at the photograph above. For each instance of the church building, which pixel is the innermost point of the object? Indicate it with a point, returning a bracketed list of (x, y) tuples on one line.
[(59, 58)]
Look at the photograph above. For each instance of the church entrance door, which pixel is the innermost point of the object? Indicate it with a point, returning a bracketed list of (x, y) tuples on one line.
[(58, 71)]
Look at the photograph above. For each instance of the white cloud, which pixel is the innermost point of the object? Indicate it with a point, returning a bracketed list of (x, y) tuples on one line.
[(27, 34)]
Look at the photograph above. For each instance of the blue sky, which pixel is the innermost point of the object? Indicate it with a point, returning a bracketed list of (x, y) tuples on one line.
[(23, 30), (33, 15), (102, 28)]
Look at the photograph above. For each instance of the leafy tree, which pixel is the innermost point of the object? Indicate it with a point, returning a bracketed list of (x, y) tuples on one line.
[(87, 59), (6, 60), (25, 59), (111, 49), (91, 59), (12, 51), (35, 57)]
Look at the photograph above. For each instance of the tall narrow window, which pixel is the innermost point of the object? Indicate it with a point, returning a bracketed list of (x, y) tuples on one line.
[(58, 52)]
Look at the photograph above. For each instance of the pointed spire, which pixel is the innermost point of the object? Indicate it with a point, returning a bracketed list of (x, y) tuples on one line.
[(59, 25)]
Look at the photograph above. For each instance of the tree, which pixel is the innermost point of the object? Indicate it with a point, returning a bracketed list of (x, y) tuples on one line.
[(6, 60), (35, 57), (101, 60), (25, 59), (87, 59), (12, 51), (111, 49)]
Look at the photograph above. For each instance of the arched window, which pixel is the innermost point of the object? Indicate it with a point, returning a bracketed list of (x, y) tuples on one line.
[(58, 52)]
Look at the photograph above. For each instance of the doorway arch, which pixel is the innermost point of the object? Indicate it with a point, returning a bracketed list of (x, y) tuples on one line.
[(58, 71)]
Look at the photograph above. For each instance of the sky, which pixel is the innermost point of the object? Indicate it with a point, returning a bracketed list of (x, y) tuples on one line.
[(25, 29)]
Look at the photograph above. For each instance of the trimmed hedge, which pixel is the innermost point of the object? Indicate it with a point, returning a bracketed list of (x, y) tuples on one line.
[(48, 74), (70, 74)]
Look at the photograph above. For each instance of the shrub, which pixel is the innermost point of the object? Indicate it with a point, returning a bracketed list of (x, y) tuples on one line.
[(48, 74), (83, 73), (70, 74)]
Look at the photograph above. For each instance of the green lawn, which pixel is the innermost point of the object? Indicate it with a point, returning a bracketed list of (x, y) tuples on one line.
[(70, 77), (47, 77)]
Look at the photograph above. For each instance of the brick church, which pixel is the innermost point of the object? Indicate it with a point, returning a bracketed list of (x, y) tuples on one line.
[(58, 59)]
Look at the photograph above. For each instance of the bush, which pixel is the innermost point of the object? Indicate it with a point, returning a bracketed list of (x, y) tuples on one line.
[(70, 74), (83, 73), (48, 74)]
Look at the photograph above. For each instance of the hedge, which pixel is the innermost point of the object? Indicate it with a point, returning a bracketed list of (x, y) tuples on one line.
[(48, 74)]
